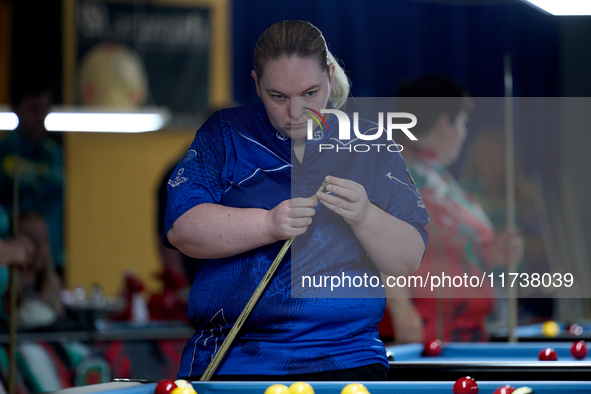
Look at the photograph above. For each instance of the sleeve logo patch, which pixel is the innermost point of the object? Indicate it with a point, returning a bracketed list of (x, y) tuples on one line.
[(179, 178)]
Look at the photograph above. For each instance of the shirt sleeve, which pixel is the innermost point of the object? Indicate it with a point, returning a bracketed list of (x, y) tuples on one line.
[(199, 177), (405, 200)]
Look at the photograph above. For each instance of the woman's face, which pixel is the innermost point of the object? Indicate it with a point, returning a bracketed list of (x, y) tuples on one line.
[(287, 86), (454, 137)]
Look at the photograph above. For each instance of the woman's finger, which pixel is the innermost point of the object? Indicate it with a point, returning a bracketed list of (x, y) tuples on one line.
[(332, 200), (301, 222), (302, 212), (343, 192)]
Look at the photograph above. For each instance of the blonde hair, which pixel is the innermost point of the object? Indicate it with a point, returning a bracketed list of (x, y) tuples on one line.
[(302, 39)]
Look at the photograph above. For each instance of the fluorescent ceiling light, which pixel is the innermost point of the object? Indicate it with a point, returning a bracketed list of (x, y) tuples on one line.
[(105, 122), (563, 7), (91, 120), (8, 120)]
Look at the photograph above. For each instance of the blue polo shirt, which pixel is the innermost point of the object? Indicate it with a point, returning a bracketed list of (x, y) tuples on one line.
[(238, 159)]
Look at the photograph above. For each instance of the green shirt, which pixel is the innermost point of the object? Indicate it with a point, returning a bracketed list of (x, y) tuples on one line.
[(40, 183), (4, 233)]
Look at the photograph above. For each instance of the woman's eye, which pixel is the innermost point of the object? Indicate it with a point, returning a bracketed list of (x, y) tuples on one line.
[(278, 97), (310, 94)]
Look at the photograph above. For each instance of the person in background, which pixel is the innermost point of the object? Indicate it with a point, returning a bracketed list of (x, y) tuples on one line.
[(462, 238), (40, 286), (39, 368), (13, 250), (483, 177), (37, 158)]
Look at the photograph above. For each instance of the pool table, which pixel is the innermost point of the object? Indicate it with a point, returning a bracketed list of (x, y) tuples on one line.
[(487, 361), (533, 333), (443, 387)]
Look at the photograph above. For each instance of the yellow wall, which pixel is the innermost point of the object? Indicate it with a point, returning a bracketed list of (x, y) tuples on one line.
[(112, 179)]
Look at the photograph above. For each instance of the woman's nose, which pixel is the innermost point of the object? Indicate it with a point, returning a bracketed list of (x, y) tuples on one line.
[(296, 108)]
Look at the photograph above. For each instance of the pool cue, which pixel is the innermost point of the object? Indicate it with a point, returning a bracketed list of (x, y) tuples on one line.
[(212, 367), (13, 284), (510, 188)]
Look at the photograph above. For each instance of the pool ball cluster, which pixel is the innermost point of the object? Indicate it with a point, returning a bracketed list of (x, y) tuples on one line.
[(468, 385), (465, 385), (179, 386), (578, 350), (552, 329), (306, 388)]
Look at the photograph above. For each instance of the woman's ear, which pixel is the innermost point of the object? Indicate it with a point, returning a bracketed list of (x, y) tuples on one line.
[(331, 78), (256, 82)]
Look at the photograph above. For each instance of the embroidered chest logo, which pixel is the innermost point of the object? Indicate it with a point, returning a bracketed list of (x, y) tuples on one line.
[(281, 136), (318, 135)]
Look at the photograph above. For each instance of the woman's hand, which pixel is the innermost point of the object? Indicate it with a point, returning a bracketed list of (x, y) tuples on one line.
[(407, 323), (507, 249), (350, 201), (290, 218), (50, 292), (18, 250), (394, 246)]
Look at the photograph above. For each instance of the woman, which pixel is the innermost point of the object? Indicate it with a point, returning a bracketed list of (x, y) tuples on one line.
[(238, 195), (462, 237), (483, 176)]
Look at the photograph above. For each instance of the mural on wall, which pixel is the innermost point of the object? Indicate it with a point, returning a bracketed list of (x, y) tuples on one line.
[(133, 55)]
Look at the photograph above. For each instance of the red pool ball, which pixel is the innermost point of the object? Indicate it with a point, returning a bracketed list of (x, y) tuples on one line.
[(506, 389), (432, 348), (579, 350), (548, 354), (165, 387), (465, 385)]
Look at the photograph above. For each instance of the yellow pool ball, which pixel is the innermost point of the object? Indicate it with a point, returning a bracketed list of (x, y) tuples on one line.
[(354, 388), (184, 390), (301, 388), (550, 328), (277, 389)]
